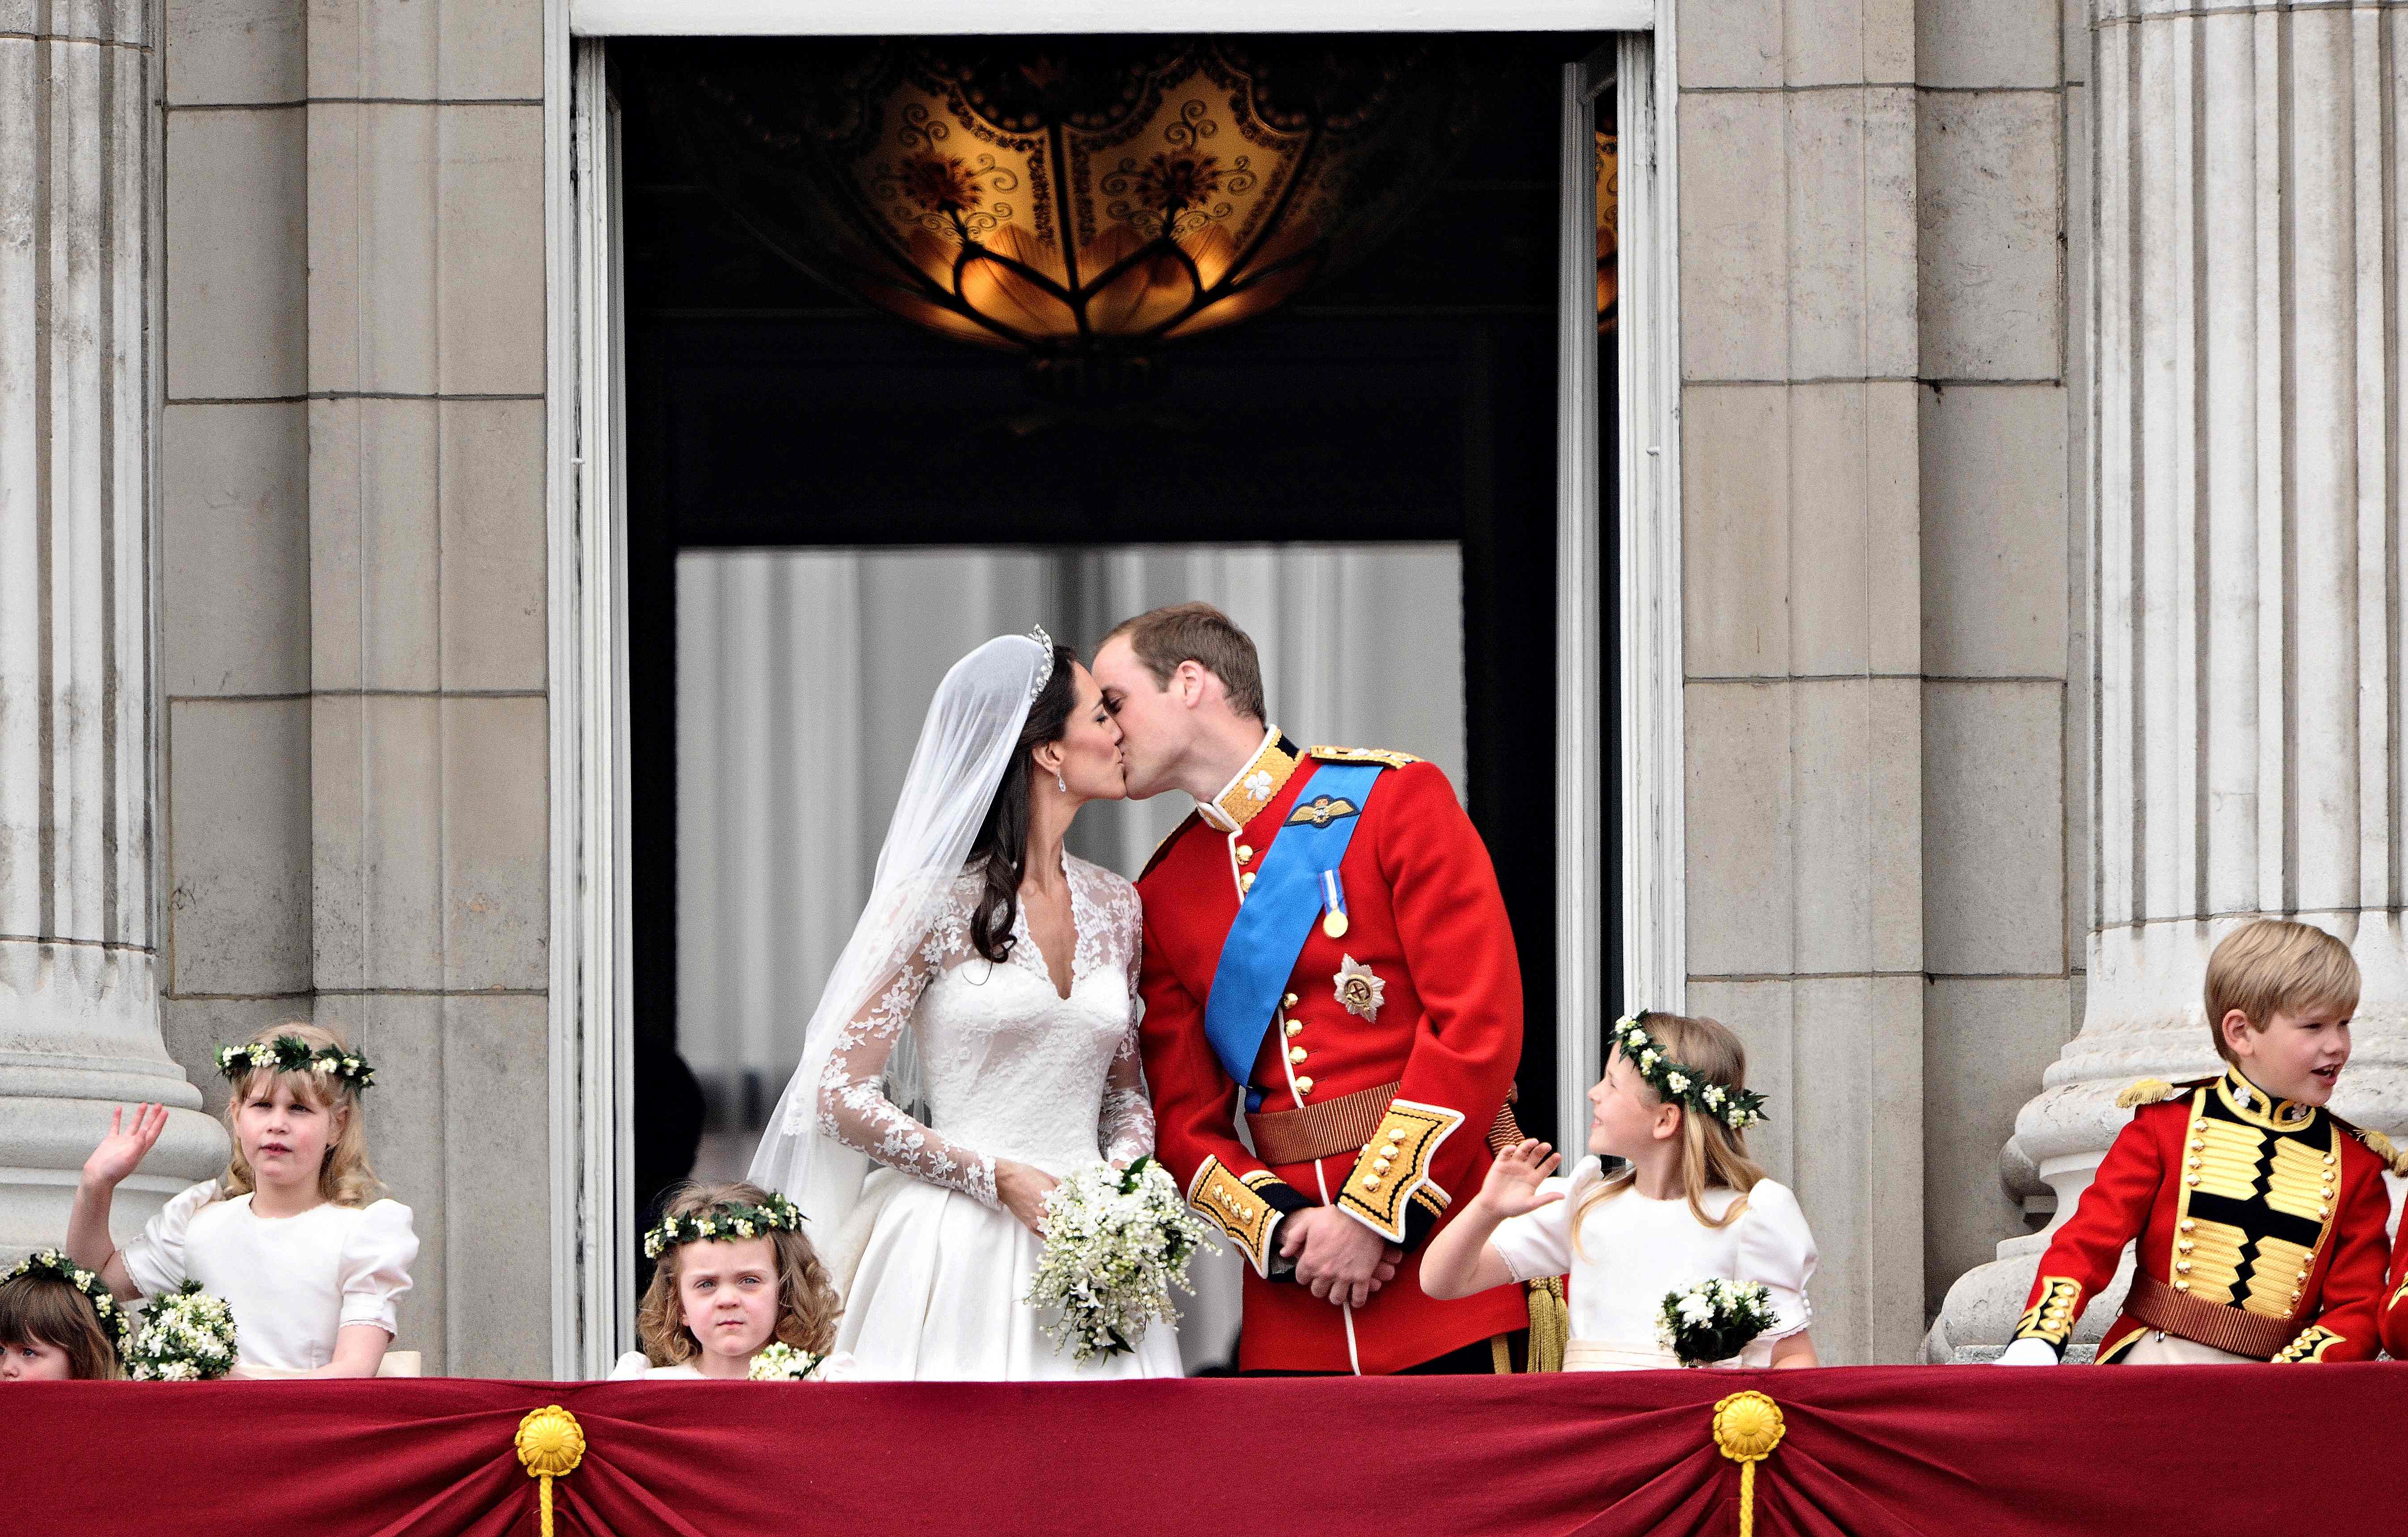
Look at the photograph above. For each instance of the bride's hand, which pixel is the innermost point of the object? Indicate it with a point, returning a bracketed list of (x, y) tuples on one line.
[(1022, 1190)]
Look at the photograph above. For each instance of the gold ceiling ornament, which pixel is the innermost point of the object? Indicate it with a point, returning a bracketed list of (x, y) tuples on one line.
[(1609, 199), (550, 1443), (1082, 201)]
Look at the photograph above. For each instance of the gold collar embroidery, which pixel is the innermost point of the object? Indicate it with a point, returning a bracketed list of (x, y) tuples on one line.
[(1253, 787), (2258, 1108)]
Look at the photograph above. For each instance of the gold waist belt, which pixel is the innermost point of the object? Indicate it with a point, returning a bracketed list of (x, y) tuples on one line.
[(1343, 1124), (2160, 1306)]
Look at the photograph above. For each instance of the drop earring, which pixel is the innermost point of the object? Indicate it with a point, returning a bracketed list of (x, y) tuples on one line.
[(1060, 784)]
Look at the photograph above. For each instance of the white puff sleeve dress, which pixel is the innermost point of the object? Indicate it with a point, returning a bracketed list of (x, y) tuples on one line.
[(292, 1283), (1632, 1250)]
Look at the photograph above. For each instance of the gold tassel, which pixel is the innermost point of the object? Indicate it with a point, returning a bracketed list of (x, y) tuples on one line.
[(2148, 1091), (550, 1443), (1747, 1427), (1551, 1324)]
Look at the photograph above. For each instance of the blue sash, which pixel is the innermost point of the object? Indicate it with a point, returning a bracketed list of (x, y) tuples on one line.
[(1259, 954)]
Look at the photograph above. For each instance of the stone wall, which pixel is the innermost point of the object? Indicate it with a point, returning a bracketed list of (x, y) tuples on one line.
[(353, 642), (1875, 483)]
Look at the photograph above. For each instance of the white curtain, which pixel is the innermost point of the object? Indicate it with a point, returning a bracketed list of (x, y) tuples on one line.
[(802, 679)]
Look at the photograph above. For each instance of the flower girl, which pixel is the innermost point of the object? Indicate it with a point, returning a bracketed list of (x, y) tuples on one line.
[(291, 1238), (739, 1293), (1687, 1208), (58, 1323)]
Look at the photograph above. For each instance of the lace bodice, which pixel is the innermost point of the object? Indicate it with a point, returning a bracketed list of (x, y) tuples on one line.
[(1011, 1069)]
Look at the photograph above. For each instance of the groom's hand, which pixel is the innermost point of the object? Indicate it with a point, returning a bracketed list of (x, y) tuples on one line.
[(1338, 1258)]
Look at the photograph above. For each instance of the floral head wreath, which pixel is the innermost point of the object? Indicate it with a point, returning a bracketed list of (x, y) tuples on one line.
[(291, 1054), (729, 1219), (113, 1315), (1736, 1108)]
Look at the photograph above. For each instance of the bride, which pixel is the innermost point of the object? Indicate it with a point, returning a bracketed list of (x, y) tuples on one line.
[(993, 981)]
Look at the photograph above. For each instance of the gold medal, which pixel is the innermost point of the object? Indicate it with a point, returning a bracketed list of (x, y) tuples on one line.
[(1334, 926)]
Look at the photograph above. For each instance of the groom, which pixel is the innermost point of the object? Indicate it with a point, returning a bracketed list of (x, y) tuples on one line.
[(1324, 941)]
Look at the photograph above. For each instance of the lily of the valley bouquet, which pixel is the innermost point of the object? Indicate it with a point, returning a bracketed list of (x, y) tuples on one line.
[(187, 1336), (1713, 1320), (1116, 1242), (780, 1362)]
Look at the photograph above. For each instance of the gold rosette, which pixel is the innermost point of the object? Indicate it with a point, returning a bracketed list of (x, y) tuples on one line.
[(550, 1443), (1747, 1427)]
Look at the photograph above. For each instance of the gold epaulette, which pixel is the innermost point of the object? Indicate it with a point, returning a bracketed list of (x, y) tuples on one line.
[(1362, 755), (2148, 1091), (2378, 1144)]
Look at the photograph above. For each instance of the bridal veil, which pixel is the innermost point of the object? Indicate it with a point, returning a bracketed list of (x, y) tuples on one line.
[(972, 728)]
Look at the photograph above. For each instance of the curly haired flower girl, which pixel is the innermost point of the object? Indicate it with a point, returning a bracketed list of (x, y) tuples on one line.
[(1688, 1207), (739, 1293), (293, 1237)]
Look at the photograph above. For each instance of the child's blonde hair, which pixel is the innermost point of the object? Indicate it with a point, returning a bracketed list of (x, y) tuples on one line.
[(1712, 1155), (807, 1300), (2273, 966), (345, 1178), (42, 1309)]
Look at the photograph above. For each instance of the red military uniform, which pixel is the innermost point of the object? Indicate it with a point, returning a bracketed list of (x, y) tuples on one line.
[(1399, 1038), (2260, 1228), (2395, 1300)]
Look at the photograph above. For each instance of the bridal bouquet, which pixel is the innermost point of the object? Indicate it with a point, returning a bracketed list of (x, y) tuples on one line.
[(1713, 1320), (1116, 1242), (187, 1336), (780, 1362)]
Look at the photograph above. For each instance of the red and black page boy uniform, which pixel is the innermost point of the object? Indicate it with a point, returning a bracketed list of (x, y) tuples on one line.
[(2260, 1228), (1327, 952), (2395, 1294)]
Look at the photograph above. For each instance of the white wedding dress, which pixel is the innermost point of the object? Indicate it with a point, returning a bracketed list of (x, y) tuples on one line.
[(1010, 1069)]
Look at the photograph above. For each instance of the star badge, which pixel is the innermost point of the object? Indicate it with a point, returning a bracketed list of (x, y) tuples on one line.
[(1359, 988)]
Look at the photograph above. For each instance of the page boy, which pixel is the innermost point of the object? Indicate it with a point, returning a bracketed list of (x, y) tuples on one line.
[(2260, 1213)]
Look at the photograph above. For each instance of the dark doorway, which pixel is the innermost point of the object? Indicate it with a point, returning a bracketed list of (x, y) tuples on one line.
[(1410, 398)]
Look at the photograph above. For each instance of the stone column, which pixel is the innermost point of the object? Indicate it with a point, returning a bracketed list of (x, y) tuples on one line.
[(79, 996), (2248, 562)]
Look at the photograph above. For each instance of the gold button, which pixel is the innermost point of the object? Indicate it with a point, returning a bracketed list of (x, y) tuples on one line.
[(1379, 1166), (1304, 1086), (1246, 882), (1296, 1054), (1371, 1182), (2194, 1162), (2181, 1267), (1295, 1028), (2188, 1224), (2328, 1157), (2183, 1245), (1389, 1151), (1289, 1000), (1244, 854), (2182, 1285), (2190, 1179)]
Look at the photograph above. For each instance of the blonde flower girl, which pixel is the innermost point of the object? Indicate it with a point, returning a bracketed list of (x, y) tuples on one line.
[(292, 1238), (1686, 1207), (737, 1284)]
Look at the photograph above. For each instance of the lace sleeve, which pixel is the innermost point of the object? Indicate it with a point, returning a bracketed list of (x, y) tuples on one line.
[(1126, 1129), (856, 1111)]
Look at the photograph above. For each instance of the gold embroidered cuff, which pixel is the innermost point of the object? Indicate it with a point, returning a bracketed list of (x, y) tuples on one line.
[(2051, 1317), (2311, 1345), (1237, 1208), (1395, 1164)]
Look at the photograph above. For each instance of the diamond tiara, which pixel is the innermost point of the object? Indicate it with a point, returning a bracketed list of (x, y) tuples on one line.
[(1045, 668)]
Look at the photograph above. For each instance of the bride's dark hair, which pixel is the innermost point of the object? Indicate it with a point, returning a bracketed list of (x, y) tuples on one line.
[(1000, 853)]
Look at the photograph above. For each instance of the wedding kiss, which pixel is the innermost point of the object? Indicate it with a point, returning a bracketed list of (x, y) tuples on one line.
[(1319, 950)]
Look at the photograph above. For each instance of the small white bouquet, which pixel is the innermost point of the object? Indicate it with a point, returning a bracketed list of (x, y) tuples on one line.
[(780, 1362), (1116, 1242), (187, 1336), (1713, 1320)]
